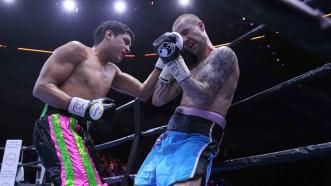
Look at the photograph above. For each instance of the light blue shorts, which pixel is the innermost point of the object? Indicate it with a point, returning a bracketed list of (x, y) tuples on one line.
[(183, 153)]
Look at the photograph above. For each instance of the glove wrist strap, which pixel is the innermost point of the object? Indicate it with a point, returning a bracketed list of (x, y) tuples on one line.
[(78, 106), (178, 69), (166, 76), (159, 64)]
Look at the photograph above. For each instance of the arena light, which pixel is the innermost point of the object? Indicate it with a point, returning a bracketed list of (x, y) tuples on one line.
[(8, 1), (129, 56), (150, 54), (70, 5), (184, 2), (257, 37), (221, 45), (34, 50), (327, 15), (120, 6)]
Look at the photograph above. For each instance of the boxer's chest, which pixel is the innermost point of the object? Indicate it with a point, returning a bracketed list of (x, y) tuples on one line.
[(96, 79), (202, 70)]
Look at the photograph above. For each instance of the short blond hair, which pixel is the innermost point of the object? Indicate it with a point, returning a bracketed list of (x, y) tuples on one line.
[(190, 18)]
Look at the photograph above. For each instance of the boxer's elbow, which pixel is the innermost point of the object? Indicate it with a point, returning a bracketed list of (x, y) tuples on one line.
[(36, 90), (143, 98), (157, 102), (39, 89), (144, 94)]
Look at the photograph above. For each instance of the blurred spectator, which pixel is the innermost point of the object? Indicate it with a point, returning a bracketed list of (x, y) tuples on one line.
[(111, 166)]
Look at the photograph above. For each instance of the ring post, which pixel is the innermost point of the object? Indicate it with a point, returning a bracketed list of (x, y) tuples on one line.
[(134, 147)]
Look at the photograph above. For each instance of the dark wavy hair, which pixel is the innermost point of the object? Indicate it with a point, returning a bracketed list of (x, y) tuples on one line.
[(115, 26)]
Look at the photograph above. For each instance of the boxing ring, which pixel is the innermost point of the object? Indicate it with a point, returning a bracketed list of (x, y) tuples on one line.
[(296, 154), (302, 17)]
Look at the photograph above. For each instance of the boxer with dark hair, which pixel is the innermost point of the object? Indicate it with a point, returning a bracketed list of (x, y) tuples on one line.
[(74, 82), (183, 154)]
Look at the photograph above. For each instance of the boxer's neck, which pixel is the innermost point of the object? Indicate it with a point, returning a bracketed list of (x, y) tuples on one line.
[(206, 51), (100, 53)]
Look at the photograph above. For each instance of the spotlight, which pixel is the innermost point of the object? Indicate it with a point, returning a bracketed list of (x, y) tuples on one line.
[(70, 5), (8, 1), (184, 2), (120, 6)]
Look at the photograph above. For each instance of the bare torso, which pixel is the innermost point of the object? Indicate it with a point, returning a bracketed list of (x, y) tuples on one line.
[(221, 101), (90, 79), (75, 70)]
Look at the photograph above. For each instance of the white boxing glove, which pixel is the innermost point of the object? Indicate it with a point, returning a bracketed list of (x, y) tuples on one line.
[(93, 110), (178, 69), (166, 76)]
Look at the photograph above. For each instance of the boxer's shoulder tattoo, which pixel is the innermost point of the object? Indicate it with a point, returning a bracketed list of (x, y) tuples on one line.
[(220, 65), (215, 71)]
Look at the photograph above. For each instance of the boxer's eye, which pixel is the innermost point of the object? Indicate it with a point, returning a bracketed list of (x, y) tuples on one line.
[(126, 42), (185, 32)]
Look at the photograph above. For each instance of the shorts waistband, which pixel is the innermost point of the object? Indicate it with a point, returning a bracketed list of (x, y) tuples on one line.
[(194, 124), (208, 115), (51, 110)]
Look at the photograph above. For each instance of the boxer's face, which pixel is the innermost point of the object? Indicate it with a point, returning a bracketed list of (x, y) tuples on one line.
[(119, 46), (192, 34)]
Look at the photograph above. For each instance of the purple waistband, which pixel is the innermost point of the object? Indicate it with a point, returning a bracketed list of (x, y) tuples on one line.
[(212, 116)]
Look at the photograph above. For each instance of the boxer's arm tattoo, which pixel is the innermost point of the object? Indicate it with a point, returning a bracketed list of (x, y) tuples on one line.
[(211, 78), (160, 89), (167, 90)]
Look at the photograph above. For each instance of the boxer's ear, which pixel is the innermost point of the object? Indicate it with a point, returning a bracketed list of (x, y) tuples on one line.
[(109, 34), (201, 25)]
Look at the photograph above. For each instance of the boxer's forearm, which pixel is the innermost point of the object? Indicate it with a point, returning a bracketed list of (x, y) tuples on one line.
[(161, 93), (52, 95), (165, 92), (149, 85)]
